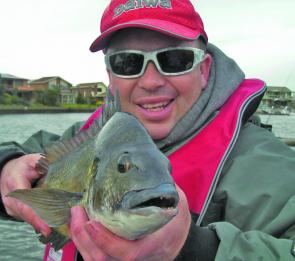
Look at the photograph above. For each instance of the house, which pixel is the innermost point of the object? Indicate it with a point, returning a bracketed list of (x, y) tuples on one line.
[(276, 100), (67, 96), (26, 92), (93, 90), (47, 83), (9, 82)]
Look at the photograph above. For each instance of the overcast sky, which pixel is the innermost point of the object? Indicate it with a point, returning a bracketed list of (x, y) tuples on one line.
[(48, 38)]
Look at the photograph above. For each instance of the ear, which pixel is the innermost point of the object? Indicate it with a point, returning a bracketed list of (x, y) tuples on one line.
[(205, 67)]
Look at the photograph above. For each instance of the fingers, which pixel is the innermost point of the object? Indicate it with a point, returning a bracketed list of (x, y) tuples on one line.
[(108, 242), (95, 242), (21, 211), (145, 249), (30, 217), (25, 167), (80, 236), (19, 174), (32, 159)]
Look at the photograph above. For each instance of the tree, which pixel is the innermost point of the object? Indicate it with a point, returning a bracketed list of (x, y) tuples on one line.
[(292, 104), (1, 93), (52, 97), (49, 97), (80, 99)]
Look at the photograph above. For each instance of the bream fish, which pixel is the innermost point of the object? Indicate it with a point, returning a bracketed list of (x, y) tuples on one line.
[(114, 171)]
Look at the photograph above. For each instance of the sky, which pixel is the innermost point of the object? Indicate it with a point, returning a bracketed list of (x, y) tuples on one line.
[(41, 38)]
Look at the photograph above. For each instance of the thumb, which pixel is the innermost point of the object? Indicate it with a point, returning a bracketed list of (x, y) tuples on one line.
[(34, 171)]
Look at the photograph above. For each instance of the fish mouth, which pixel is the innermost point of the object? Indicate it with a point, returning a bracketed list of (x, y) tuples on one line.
[(161, 198)]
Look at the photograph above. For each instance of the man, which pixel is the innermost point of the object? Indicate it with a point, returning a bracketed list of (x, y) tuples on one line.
[(235, 179)]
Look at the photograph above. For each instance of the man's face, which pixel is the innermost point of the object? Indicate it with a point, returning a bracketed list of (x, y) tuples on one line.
[(158, 101)]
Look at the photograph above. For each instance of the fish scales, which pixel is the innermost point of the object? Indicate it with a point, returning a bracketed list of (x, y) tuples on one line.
[(115, 171)]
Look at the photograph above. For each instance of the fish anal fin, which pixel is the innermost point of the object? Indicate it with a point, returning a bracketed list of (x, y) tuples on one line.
[(56, 239)]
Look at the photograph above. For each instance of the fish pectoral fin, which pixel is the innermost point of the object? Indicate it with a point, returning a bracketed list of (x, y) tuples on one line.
[(56, 239), (51, 205)]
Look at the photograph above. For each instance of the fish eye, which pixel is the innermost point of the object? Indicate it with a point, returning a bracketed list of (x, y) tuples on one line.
[(124, 163)]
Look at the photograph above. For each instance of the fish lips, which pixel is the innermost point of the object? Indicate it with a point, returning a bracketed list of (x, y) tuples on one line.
[(163, 198)]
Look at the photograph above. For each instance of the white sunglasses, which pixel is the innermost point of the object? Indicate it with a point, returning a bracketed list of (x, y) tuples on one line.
[(169, 61)]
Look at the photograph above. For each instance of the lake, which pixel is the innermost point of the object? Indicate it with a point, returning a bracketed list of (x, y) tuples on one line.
[(18, 240)]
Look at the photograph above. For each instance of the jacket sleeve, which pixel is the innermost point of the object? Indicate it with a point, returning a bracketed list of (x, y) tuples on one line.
[(201, 243), (34, 144), (257, 192)]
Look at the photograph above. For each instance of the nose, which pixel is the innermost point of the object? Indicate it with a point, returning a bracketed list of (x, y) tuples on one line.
[(152, 79)]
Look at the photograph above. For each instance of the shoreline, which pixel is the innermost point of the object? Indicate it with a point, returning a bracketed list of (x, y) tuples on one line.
[(45, 110)]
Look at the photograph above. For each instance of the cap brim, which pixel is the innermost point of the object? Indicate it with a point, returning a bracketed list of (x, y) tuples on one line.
[(165, 27)]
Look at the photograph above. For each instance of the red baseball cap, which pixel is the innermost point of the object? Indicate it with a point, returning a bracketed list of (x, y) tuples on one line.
[(176, 18)]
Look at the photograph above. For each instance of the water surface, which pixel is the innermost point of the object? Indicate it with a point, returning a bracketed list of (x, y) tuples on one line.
[(18, 240)]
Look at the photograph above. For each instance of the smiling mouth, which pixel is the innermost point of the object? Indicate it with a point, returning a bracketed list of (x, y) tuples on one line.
[(154, 107)]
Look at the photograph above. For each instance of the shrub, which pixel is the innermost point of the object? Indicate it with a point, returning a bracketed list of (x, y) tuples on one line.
[(80, 99), (8, 99)]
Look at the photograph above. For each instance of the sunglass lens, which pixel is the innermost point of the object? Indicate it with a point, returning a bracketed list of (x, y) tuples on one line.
[(174, 61), (126, 63)]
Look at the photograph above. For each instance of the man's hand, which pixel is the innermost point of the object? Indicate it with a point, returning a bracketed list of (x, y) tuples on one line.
[(96, 243), (20, 173)]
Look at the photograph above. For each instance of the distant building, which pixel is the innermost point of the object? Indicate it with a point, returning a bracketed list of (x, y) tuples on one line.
[(25, 92), (46, 83), (94, 90), (276, 100), (67, 96), (9, 82), (31, 91)]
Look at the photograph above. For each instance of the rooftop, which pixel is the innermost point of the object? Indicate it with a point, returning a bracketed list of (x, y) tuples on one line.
[(47, 79), (44, 79), (88, 83), (10, 76), (278, 89)]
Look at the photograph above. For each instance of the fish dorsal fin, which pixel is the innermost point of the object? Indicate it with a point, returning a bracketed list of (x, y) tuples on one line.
[(111, 106), (42, 166), (61, 148)]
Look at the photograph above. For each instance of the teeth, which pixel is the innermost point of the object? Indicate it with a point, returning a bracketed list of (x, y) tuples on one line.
[(155, 106)]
